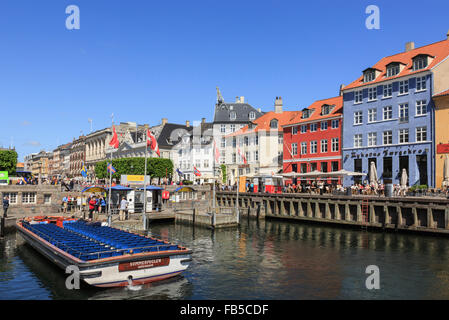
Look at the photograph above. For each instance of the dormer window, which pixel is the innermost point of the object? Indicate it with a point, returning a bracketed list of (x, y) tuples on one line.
[(420, 62), (392, 69), (305, 114), (326, 109), (232, 115), (274, 124), (252, 115), (369, 75)]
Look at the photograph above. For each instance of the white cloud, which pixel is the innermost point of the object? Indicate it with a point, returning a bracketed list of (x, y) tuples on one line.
[(32, 143)]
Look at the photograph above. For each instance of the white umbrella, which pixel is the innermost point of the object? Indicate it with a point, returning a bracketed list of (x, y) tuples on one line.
[(404, 178), (446, 172), (373, 174)]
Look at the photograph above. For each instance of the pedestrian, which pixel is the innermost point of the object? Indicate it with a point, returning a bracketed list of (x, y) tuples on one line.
[(78, 203), (123, 209), (65, 204), (92, 203), (5, 206), (103, 205)]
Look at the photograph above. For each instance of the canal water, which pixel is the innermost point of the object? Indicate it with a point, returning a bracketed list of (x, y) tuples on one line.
[(259, 260)]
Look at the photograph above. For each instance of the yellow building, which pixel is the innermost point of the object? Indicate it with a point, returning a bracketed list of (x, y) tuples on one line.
[(441, 101)]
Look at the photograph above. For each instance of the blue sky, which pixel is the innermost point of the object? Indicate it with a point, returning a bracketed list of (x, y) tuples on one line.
[(146, 60)]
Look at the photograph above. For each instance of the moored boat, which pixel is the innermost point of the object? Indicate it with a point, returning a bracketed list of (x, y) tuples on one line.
[(104, 256)]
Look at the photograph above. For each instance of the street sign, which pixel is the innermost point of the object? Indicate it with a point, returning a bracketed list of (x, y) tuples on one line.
[(4, 179)]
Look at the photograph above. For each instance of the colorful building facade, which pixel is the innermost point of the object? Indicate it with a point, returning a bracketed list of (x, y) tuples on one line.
[(441, 101), (389, 116), (312, 139)]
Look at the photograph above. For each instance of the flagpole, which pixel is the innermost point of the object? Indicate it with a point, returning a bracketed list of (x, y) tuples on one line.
[(144, 215), (110, 185)]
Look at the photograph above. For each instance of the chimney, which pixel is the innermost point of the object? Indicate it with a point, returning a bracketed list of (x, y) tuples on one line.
[(259, 109), (164, 121), (278, 105), (409, 46), (447, 35), (203, 120), (342, 86), (187, 123)]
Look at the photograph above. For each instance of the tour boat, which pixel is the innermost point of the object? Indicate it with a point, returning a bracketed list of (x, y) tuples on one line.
[(104, 256)]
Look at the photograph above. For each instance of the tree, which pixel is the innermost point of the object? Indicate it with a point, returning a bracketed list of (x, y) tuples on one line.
[(8, 161), (223, 172), (156, 167)]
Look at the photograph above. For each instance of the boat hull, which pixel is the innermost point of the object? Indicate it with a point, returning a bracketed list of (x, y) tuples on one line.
[(130, 269)]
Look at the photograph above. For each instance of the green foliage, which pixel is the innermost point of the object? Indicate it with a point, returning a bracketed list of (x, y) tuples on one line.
[(223, 171), (156, 167), (187, 182), (8, 161)]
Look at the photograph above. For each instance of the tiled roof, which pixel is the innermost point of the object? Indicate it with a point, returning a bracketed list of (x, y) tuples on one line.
[(316, 108), (263, 123), (438, 50), (242, 111), (444, 93)]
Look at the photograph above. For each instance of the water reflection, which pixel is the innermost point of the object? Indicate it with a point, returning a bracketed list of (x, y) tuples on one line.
[(260, 260)]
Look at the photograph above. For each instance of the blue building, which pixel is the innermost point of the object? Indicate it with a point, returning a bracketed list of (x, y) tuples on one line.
[(388, 117)]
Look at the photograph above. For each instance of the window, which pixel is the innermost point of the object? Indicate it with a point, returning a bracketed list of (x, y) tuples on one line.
[(248, 156), (388, 90), (358, 119), (303, 167), (232, 127), (372, 139), (256, 155), (325, 109), (358, 140), (280, 139), (313, 127), (421, 84), (323, 125), (252, 115), (334, 124), (403, 87), (392, 70), (223, 142), (303, 147), (372, 115), (295, 130), (388, 137), (234, 157), (232, 115), (28, 197), (246, 140), (234, 142), (403, 136), (372, 94), (305, 114), (388, 113), (421, 107), (223, 128), (369, 76), (206, 163), (294, 149), (12, 197), (335, 145), (198, 163), (419, 63), (304, 128), (323, 166), (47, 198), (256, 140), (313, 166), (323, 145), (334, 165), (358, 96), (313, 146), (421, 134), (403, 112), (274, 124)]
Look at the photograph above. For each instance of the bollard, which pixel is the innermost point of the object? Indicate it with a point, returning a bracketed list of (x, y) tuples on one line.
[(194, 212), (2, 227)]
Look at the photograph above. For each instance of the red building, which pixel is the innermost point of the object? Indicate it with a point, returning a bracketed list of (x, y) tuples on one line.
[(312, 139)]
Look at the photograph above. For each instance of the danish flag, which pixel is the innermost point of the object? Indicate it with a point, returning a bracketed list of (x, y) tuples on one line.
[(216, 152), (243, 157), (114, 141), (196, 172), (152, 143)]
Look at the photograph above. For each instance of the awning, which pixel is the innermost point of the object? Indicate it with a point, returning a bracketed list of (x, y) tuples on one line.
[(185, 189), (94, 189), (152, 188), (121, 188)]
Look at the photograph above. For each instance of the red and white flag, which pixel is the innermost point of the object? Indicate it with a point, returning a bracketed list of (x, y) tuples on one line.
[(152, 143), (114, 141), (196, 172), (216, 153), (243, 157)]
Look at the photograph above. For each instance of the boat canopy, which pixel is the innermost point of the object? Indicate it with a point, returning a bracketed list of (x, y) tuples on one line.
[(152, 188), (94, 189), (185, 189)]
